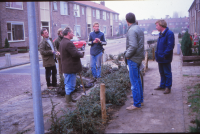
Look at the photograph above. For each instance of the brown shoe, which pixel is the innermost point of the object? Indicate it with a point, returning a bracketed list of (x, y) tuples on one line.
[(133, 108), (167, 91), (142, 104), (158, 88)]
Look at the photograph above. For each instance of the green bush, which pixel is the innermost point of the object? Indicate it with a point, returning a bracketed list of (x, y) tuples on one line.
[(7, 44), (186, 45)]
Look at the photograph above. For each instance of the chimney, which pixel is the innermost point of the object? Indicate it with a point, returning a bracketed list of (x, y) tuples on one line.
[(102, 3)]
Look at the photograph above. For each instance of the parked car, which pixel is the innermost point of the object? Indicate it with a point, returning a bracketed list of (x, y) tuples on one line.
[(78, 43), (155, 32)]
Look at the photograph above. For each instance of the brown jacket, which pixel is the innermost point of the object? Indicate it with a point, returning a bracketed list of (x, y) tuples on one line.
[(47, 54), (70, 57)]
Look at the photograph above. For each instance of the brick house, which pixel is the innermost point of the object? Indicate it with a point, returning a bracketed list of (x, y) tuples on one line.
[(194, 17), (79, 15), (174, 24)]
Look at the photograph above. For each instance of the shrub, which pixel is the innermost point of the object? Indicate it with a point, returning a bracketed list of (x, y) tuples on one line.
[(186, 45), (179, 35), (111, 56), (7, 44)]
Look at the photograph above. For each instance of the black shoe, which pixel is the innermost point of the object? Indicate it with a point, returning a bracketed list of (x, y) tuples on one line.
[(158, 88)]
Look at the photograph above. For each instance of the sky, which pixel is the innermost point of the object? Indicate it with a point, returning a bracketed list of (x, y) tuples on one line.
[(144, 9)]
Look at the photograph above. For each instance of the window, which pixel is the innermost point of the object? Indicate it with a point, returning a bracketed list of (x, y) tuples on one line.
[(104, 30), (108, 15), (143, 24), (116, 30), (77, 30), (170, 23), (63, 8), (97, 14), (15, 31), (140, 24), (93, 13), (181, 23), (89, 28), (76, 10), (63, 26), (104, 15), (55, 6), (177, 23), (14, 5), (82, 10), (116, 18)]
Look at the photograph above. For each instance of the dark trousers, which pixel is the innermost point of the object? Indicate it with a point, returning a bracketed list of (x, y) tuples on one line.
[(48, 71), (165, 74)]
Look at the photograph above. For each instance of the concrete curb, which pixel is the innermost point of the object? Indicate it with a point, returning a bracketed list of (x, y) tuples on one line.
[(1, 68)]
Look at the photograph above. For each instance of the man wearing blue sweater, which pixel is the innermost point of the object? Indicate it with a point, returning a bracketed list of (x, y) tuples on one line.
[(96, 41)]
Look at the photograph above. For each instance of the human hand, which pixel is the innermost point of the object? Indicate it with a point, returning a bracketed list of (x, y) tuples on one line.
[(97, 39)]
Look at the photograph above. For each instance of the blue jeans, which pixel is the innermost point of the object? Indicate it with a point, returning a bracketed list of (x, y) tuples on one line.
[(165, 74), (95, 63), (136, 84), (70, 83)]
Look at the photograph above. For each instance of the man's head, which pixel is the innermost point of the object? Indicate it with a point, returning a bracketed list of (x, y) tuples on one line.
[(44, 33), (130, 18), (60, 30), (161, 25), (68, 33), (96, 26)]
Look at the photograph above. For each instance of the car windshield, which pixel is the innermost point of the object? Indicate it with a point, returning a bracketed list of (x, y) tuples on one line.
[(75, 39)]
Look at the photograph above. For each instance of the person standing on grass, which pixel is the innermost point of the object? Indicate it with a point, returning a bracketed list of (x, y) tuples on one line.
[(70, 63), (134, 55), (164, 55)]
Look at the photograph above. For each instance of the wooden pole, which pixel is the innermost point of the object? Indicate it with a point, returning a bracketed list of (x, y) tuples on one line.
[(103, 101)]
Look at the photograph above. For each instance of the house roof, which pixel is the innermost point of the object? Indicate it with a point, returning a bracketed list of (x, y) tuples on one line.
[(95, 5)]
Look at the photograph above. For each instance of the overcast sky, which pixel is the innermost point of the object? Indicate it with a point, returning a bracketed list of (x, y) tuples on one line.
[(150, 8)]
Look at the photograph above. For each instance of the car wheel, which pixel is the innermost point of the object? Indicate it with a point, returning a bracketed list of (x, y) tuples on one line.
[(83, 47)]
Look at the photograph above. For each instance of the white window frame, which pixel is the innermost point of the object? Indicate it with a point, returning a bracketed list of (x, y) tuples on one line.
[(77, 7), (14, 7), (62, 4), (15, 22), (56, 5), (77, 30), (83, 13), (97, 14), (140, 24), (104, 30), (108, 15), (93, 13), (143, 24), (46, 26), (116, 18), (104, 15)]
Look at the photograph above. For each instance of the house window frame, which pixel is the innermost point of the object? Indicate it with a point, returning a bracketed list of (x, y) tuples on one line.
[(97, 14), (104, 15), (55, 4), (61, 5), (46, 26), (83, 12), (14, 7), (77, 30), (105, 30), (108, 15), (116, 18), (76, 6), (63, 26), (93, 13), (16, 22)]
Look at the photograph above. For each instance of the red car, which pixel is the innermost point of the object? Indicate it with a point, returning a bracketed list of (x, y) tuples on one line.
[(78, 43)]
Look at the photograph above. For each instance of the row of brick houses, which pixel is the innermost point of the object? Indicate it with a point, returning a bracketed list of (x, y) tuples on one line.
[(79, 15), (194, 15), (174, 24)]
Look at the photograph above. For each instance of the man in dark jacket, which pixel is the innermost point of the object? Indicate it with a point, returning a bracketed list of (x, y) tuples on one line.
[(70, 63), (164, 55), (57, 44), (49, 53), (96, 41), (134, 55)]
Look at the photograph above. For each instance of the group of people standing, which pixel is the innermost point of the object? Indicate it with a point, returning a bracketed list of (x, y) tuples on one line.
[(70, 64)]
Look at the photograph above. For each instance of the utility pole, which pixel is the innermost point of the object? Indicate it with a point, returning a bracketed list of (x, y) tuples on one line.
[(35, 71)]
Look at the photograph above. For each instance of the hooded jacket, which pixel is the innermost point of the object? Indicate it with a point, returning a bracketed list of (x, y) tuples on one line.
[(165, 46)]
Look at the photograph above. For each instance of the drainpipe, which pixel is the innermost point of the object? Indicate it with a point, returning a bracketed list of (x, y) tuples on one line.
[(52, 30), (35, 71)]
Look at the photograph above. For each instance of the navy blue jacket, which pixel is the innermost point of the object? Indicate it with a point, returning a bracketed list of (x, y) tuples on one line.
[(96, 48), (165, 46)]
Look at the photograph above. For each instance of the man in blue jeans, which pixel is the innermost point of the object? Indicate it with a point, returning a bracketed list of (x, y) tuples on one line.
[(96, 41), (164, 55), (134, 55)]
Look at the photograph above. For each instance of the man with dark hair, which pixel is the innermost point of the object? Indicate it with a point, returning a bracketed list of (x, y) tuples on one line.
[(164, 55), (48, 52), (57, 44), (134, 55), (70, 63), (96, 41)]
